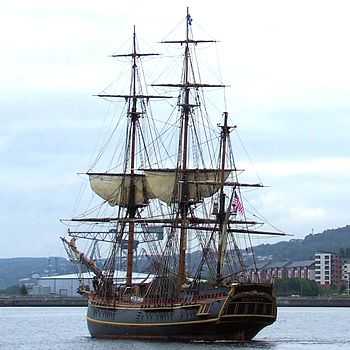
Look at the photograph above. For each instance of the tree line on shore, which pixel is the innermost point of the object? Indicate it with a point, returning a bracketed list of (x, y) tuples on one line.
[(300, 287)]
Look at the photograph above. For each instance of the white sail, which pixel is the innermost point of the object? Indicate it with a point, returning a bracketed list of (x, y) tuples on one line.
[(115, 188), (164, 183)]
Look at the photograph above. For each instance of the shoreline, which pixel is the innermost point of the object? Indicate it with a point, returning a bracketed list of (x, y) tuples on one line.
[(56, 301), (334, 301), (42, 301)]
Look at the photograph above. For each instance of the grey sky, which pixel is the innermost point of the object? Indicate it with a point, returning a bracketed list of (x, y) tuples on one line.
[(288, 66)]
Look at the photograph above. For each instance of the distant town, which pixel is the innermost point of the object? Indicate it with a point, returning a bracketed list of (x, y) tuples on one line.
[(327, 269), (322, 271)]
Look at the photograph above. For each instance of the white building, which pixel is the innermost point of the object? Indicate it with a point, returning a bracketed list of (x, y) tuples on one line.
[(68, 285), (328, 269), (63, 285), (323, 268)]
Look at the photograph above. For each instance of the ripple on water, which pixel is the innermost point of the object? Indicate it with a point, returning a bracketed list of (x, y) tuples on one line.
[(65, 329)]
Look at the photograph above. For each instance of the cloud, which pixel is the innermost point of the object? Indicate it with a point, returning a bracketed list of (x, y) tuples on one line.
[(307, 214), (287, 65), (323, 168)]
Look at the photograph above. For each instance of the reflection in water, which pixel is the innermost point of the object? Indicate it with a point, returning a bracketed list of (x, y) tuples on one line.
[(148, 345)]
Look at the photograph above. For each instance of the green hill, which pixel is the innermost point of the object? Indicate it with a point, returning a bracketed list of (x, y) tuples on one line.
[(14, 269), (334, 240)]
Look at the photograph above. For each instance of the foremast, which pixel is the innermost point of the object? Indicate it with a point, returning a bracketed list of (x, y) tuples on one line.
[(128, 196)]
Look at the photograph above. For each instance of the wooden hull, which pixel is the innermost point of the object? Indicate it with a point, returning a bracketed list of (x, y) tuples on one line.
[(236, 330), (224, 318)]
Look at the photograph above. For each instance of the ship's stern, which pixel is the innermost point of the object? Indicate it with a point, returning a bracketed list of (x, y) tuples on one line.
[(248, 308)]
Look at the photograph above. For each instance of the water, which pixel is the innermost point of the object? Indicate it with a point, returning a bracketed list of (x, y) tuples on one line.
[(65, 328)]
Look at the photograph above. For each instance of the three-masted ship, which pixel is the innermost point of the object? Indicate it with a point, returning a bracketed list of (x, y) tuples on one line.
[(164, 200)]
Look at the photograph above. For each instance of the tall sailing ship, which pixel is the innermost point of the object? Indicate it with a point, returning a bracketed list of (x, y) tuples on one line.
[(165, 202)]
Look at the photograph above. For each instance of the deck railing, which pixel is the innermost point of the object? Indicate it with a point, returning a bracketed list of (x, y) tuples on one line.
[(147, 302)]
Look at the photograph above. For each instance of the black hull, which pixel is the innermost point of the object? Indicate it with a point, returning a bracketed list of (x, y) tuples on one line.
[(225, 319), (238, 330)]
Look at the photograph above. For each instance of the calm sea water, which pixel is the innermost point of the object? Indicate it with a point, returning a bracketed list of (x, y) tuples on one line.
[(65, 329)]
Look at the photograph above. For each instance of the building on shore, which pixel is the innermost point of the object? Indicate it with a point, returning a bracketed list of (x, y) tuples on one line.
[(284, 269), (259, 273), (68, 285), (268, 271), (346, 270), (276, 270), (304, 269), (328, 269)]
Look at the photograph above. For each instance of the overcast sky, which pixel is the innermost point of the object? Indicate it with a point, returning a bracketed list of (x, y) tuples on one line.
[(287, 63)]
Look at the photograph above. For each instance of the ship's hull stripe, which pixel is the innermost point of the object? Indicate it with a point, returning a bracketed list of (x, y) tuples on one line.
[(149, 324), (172, 323), (161, 308)]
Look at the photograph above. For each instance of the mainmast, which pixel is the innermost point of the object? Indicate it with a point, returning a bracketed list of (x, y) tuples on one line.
[(134, 115), (186, 85), (184, 187)]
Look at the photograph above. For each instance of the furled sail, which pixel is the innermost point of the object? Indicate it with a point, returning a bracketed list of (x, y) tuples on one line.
[(115, 188), (164, 183)]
